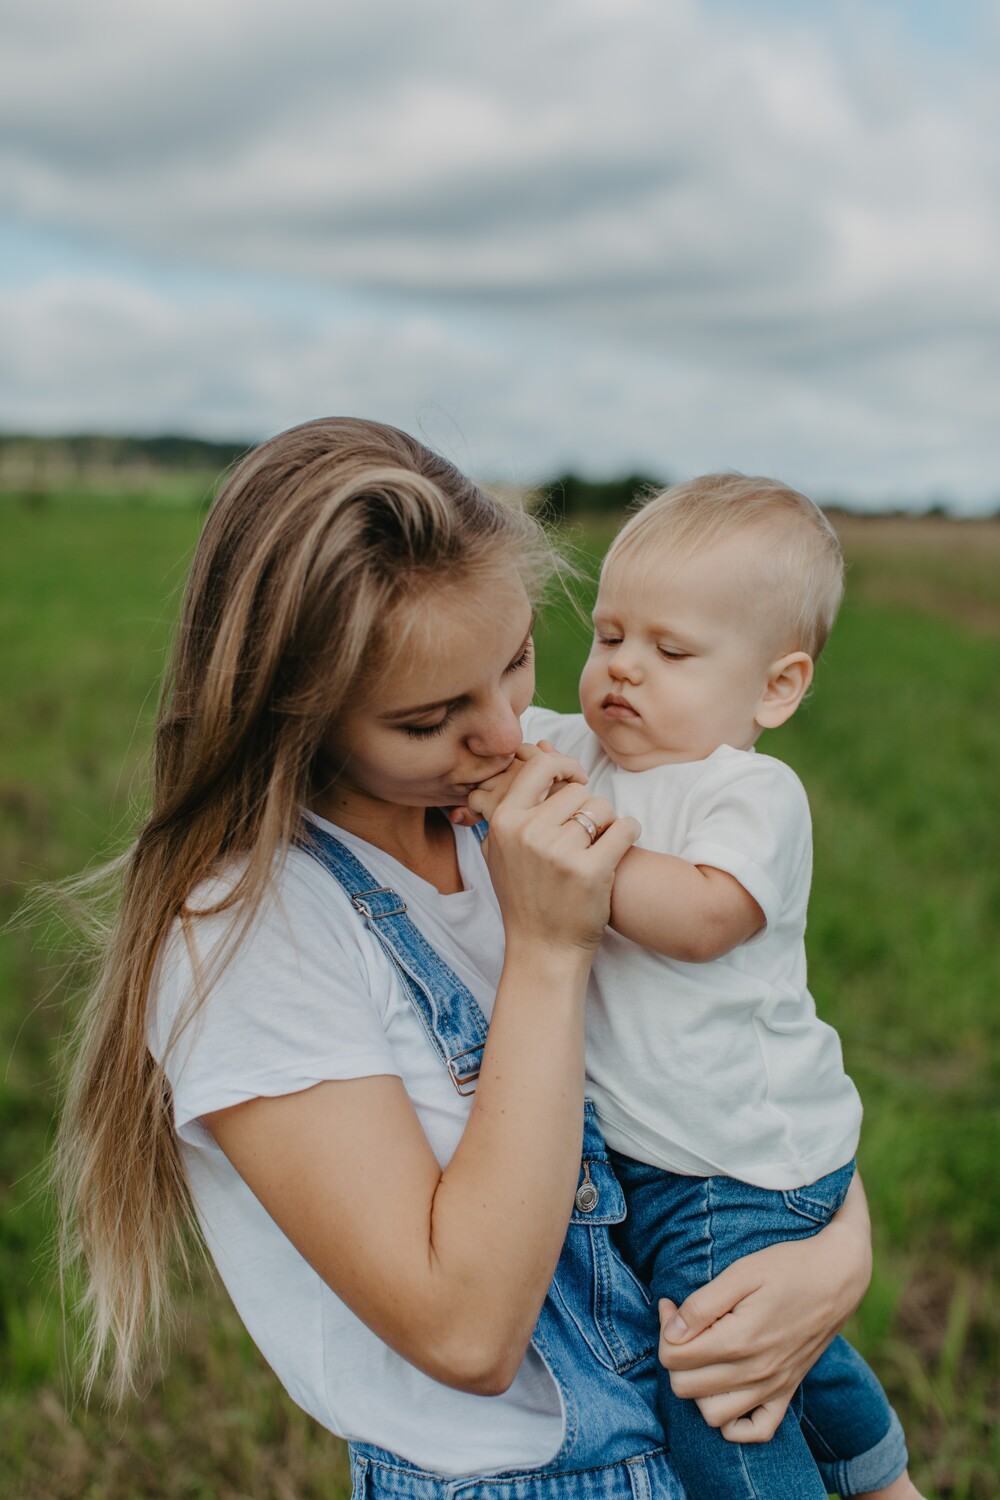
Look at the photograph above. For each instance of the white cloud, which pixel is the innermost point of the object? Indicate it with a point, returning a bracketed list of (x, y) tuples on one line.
[(778, 216), (514, 404)]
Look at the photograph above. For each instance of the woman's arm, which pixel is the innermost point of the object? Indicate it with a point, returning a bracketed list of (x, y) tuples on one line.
[(742, 1343), (450, 1267)]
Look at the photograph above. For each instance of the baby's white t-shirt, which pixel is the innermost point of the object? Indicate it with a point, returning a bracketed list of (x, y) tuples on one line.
[(719, 1068), (309, 995)]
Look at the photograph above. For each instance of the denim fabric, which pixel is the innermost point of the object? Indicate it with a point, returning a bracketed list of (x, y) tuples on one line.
[(841, 1432), (377, 1475), (597, 1331), (843, 1409)]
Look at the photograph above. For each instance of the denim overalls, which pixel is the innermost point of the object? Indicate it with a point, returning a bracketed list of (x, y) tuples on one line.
[(596, 1331)]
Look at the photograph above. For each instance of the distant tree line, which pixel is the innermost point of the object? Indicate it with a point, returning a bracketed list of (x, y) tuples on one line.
[(38, 467), (570, 496), (35, 465), (92, 450)]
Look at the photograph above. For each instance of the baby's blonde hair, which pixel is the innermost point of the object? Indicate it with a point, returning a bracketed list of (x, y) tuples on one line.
[(801, 573)]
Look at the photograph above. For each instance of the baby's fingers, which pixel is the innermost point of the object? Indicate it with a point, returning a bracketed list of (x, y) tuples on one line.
[(462, 817), (526, 783), (484, 799)]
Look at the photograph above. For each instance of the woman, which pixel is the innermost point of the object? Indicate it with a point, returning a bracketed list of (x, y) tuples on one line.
[(289, 1031)]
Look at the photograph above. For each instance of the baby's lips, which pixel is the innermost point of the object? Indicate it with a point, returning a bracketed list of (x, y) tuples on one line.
[(619, 707)]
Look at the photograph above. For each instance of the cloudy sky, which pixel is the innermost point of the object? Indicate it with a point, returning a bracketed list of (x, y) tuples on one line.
[(670, 235)]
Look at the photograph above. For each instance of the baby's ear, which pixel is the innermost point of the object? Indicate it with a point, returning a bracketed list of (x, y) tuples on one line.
[(787, 681)]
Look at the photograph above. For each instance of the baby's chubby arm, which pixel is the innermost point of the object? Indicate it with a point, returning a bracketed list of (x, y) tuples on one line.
[(693, 913)]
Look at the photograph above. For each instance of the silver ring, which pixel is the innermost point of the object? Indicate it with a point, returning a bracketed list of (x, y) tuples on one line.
[(587, 823)]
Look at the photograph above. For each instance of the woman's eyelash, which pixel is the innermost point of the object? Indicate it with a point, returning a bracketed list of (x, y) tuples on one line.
[(426, 731), (522, 660)]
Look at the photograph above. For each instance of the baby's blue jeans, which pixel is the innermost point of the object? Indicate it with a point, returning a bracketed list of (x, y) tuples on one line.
[(840, 1434)]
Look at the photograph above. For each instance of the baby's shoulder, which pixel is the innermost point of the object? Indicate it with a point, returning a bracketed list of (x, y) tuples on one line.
[(569, 733), (761, 778)]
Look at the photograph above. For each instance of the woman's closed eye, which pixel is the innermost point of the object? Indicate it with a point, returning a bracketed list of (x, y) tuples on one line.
[(426, 731), (523, 659)]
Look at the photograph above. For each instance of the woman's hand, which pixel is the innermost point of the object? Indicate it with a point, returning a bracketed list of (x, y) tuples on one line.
[(553, 881), (741, 1345)]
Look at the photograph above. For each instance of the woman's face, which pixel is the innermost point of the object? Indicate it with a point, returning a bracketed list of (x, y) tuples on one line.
[(445, 716)]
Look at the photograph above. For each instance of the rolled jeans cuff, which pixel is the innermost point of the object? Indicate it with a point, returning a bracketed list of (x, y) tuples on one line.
[(872, 1470)]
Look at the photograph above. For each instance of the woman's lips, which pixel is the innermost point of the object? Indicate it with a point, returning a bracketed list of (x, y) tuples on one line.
[(618, 708)]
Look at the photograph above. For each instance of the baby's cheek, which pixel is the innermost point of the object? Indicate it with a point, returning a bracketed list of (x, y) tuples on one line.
[(588, 681), (590, 700)]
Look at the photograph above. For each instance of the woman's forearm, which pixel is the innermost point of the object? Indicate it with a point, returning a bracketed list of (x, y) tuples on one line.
[(499, 1214), (448, 1266)]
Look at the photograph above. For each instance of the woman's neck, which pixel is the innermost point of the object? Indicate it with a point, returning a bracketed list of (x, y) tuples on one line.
[(420, 838)]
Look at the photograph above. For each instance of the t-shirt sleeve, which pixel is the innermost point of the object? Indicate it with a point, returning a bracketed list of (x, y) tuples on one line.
[(546, 724), (567, 733), (754, 824), (296, 1003)]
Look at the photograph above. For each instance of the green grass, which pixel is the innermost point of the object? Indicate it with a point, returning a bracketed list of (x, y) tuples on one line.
[(898, 747)]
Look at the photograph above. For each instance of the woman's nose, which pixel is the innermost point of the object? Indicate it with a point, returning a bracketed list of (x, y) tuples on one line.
[(498, 732)]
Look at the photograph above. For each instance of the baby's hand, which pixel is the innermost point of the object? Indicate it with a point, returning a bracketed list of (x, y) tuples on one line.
[(497, 786), (488, 794)]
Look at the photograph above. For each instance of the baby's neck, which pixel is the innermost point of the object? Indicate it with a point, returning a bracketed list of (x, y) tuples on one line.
[(651, 760)]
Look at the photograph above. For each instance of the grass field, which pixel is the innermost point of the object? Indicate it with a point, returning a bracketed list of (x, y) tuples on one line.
[(899, 748)]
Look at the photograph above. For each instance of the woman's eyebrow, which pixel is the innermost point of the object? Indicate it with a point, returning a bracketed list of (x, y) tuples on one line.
[(426, 708), (422, 708)]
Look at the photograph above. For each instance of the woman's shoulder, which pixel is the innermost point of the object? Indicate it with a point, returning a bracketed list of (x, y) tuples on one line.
[(248, 992), (300, 909)]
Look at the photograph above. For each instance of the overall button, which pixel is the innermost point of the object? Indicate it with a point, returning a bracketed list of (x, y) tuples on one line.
[(587, 1195)]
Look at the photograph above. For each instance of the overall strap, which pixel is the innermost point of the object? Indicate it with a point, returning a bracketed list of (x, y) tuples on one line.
[(448, 1011)]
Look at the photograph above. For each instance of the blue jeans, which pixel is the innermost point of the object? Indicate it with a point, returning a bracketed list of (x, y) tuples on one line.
[(377, 1475), (840, 1433)]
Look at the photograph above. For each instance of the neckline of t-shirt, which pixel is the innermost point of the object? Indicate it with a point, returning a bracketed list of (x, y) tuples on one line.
[(721, 752), (466, 852)]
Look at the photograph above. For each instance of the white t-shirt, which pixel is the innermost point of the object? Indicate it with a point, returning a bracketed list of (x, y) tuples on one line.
[(310, 995), (721, 1067)]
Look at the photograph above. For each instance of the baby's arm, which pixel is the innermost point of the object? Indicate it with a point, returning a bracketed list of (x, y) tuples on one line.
[(693, 913)]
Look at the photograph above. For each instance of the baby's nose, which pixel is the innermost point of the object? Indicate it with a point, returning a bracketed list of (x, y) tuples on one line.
[(624, 664)]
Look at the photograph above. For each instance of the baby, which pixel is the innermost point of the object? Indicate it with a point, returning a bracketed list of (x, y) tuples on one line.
[(731, 1120)]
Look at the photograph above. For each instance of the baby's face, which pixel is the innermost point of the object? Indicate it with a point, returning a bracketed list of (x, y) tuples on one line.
[(680, 656)]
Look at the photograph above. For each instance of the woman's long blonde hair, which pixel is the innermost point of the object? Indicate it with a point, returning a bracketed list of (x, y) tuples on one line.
[(316, 542)]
